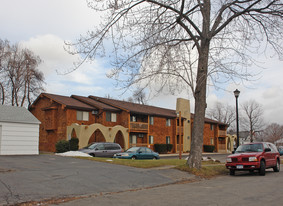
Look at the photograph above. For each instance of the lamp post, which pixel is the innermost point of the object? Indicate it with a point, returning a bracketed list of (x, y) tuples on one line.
[(237, 93)]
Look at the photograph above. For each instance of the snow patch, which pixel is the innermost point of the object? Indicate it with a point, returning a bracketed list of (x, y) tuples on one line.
[(73, 154)]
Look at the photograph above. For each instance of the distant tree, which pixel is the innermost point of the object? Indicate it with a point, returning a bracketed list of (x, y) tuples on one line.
[(252, 119), (222, 112), (182, 45), (20, 80), (272, 133), (139, 96)]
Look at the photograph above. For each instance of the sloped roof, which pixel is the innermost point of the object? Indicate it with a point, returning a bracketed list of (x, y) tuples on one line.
[(96, 104), (17, 115), (68, 101), (137, 108)]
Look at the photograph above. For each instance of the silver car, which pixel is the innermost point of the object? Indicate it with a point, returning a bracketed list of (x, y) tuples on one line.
[(102, 149)]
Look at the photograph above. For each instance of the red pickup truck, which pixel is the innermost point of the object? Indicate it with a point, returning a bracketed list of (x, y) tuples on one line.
[(254, 156)]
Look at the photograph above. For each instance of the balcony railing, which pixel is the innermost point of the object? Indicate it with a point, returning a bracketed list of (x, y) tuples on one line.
[(178, 130), (222, 133), (138, 126)]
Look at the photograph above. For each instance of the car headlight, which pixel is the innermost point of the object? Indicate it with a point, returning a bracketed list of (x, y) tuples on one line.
[(229, 159), (125, 155), (252, 159)]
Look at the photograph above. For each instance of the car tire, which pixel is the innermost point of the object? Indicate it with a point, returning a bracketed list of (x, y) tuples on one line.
[(93, 155), (262, 168), (277, 167), (154, 158), (134, 157), (232, 172)]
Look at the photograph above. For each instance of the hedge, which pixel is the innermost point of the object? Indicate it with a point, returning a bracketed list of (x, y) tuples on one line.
[(163, 148), (62, 146), (208, 148), (74, 144)]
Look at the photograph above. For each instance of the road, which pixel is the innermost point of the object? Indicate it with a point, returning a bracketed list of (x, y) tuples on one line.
[(242, 189)]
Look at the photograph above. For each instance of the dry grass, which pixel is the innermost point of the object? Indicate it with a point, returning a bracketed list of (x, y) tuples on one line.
[(209, 168)]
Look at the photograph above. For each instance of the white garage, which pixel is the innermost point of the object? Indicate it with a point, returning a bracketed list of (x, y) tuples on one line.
[(19, 131)]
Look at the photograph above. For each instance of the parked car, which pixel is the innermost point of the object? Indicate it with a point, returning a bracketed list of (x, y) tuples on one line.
[(102, 149), (138, 153), (280, 151), (254, 156)]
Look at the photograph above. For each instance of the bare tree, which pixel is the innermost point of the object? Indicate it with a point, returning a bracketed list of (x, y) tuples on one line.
[(222, 113), (19, 76), (139, 96), (182, 44), (272, 133), (252, 119)]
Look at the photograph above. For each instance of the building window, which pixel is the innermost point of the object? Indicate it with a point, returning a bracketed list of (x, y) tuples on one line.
[(212, 141), (133, 139), (151, 120), (211, 126), (167, 139), (82, 116), (111, 117), (168, 122), (150, 139)]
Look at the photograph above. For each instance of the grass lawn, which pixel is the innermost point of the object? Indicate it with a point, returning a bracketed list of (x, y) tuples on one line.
[(209, 168)]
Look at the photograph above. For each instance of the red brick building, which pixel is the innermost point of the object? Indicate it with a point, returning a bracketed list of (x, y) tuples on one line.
[(95, 119)]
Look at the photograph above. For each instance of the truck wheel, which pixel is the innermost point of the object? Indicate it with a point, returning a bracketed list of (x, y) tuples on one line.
[(262, 168)]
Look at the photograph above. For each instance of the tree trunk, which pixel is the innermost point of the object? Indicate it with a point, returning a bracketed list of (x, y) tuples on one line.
[(194, 160)]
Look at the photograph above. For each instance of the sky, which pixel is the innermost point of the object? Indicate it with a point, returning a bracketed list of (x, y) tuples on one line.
[(43, 27)]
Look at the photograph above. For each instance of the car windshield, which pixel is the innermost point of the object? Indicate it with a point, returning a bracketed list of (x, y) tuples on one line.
[(132, 150), (249, 148), (91, 146)]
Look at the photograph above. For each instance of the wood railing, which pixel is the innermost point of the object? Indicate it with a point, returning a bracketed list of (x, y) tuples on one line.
[(222, 133), (138, 126)]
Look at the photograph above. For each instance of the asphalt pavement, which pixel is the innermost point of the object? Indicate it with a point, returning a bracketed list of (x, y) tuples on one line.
[(34, 178), (243, 189)]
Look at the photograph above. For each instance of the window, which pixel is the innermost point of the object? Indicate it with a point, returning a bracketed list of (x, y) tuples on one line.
[(212, 141), (168, 122), (111, 117), (211, 126), (133, 139), (150, 139), (82, 116), (151, 120), (167, 139)]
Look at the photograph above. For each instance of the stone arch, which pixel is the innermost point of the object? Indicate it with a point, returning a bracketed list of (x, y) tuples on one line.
[(119, 138), (73, 134), (84, 133), (97, 136)]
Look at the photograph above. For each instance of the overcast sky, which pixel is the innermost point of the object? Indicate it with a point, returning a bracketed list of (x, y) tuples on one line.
[(44, 25)]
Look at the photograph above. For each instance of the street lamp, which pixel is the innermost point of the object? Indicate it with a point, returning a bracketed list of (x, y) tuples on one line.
[(237, 93)]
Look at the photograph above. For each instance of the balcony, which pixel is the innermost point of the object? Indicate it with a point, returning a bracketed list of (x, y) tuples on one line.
[(139, 126), (222, 133)]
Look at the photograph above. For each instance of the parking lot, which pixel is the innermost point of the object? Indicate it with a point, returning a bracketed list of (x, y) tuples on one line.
[(33, 178)]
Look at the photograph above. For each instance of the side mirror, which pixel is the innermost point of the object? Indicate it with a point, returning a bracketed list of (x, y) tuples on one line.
[(233, 152), (140, 152), (267, 150)]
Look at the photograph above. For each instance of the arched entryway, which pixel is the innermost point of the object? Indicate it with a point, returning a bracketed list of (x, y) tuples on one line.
[(119, 138), (73, 134), (96, 136)]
